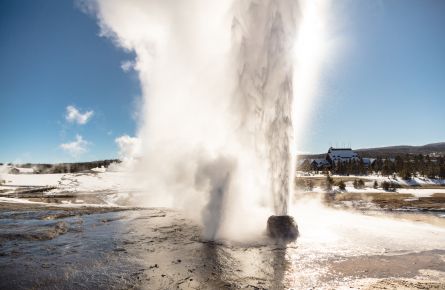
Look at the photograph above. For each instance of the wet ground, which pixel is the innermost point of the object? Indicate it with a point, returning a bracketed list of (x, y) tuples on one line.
[(57, 247)]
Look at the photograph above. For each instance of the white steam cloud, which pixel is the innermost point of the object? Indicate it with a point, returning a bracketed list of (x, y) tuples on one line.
[(77, 147), (217, 129), (73, 115), (129, 147)]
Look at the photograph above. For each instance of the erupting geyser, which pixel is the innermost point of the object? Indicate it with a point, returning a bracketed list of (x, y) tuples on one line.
[(267, 32), (218, 117)]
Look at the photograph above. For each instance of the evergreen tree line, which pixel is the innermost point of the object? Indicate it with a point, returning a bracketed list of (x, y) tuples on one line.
[(405, 166), (408, 166)]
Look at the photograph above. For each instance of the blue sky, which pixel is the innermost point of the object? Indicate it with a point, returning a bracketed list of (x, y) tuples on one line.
[(51, 57), (385, 86)]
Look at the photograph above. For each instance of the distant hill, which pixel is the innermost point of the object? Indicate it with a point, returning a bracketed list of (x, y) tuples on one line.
[(428, 149)]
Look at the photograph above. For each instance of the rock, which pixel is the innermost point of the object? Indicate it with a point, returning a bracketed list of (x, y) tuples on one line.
[(282, 228)]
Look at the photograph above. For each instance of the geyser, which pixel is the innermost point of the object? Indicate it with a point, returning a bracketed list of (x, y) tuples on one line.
[(216, 132), (267, 32)]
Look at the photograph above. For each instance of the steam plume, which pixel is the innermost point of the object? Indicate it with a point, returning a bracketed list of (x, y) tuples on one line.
[(217, 128)]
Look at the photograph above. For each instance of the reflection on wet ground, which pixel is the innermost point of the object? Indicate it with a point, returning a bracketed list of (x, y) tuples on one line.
[(127, 248)]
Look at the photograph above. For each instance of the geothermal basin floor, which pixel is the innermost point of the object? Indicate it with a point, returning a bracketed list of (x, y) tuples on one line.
[(57, 247)]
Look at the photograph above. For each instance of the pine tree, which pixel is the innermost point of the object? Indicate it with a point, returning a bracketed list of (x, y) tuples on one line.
[(385, 185), (442, 172), (378, 164), (355, 184), (341, 185)]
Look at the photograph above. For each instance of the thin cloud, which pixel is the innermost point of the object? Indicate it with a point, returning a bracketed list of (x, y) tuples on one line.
[(127, 65), (77, 147), (73, 115)]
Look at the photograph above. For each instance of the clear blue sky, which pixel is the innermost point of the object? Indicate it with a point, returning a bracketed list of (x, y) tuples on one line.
[(387, 87)]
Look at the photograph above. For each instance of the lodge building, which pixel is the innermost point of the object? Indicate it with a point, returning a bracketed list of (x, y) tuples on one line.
[(336, 155)]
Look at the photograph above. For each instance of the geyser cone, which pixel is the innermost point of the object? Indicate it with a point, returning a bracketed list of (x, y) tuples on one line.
[(282, 228)]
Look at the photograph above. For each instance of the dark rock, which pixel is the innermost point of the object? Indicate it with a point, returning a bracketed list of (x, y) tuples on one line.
[(282, 228)]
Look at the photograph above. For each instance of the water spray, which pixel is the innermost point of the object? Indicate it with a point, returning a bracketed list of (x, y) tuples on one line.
[(266, 33)]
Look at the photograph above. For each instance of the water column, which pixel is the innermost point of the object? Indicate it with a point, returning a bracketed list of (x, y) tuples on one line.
[(264, 33)]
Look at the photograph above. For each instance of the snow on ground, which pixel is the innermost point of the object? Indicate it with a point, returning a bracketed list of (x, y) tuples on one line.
[(18, 200), (99, 169), (417, 192), (421, 192), (70, 182), (64, 204), (424, 181), (112, 188), (415, 181), (350, 188), (95, 182), (32, 179), (308, 174)]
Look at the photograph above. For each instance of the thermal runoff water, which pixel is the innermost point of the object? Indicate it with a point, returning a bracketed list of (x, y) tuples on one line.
[(221, 103)]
